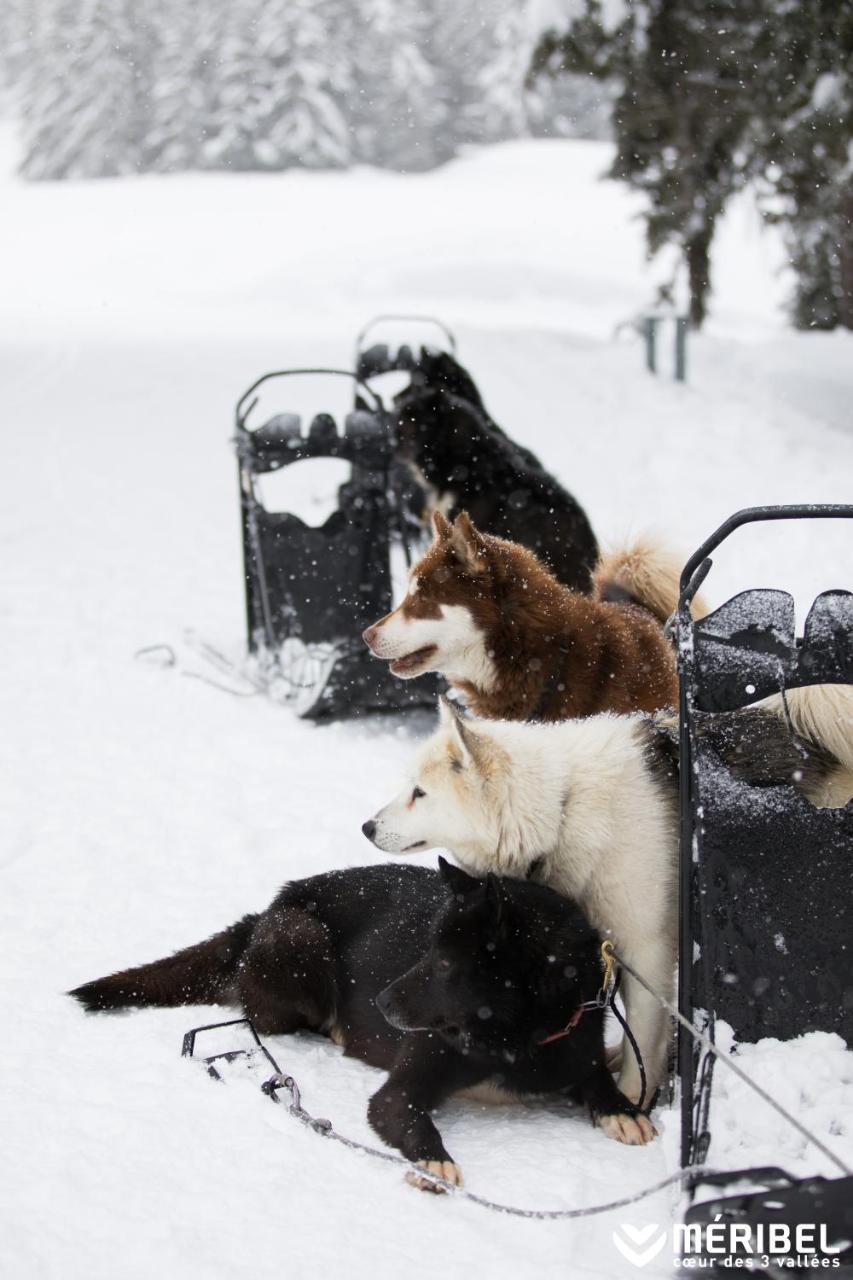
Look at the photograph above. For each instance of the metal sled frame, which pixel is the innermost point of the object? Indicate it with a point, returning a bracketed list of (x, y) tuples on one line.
[(378, 359), (228, 1055), (271, 1086), (696, 1074)]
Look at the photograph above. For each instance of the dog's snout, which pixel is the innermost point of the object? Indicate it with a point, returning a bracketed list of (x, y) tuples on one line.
[(383, 1001), (368, 635), (369, 828)]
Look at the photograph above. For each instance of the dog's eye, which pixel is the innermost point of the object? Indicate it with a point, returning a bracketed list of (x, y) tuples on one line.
[(417, 794)]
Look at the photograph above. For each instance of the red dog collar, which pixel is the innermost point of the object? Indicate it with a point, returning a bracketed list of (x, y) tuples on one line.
[(570, 1025)]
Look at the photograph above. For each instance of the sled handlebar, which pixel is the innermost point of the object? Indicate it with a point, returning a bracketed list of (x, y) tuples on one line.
[(243, 409), (402, 318), (696, 569)]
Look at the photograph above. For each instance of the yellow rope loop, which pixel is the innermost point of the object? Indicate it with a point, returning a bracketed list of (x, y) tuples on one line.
[(608, 959)]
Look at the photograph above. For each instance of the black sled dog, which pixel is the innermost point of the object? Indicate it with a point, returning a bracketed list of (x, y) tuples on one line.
[(495, 976), (467, 463)]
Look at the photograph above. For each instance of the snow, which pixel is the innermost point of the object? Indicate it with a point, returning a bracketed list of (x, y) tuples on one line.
[(810, 1076), (143, 810), (828, 91), (544, 15)]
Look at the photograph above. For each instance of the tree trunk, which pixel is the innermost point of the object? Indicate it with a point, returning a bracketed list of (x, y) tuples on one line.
[(697, 251), (845, 255)]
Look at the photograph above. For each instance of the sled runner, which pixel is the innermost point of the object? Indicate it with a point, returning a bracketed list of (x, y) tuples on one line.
[(765, 875), (311, 591)]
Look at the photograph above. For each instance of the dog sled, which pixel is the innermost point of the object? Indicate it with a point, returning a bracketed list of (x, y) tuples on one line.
[(377, 358), (311, 591), (766, 885)]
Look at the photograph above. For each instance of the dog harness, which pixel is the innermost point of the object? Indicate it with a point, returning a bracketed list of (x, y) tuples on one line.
[(605, 991), (571, 1024)]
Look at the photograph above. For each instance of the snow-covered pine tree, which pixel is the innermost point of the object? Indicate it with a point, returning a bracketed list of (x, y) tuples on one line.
[(457, 42), (680, 114), (432, 75), (12, 47), (237, 82), (43, 85), (803, 152), (84, 101), (301, 79), (392, 107), (718, 93), (498, 108), (186, 80), (114, 86)]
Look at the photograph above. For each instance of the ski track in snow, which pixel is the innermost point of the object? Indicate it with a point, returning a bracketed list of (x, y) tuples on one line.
[(143, 810)]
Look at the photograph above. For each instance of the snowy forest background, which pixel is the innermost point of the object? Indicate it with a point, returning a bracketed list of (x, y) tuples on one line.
[(703, 97), (109, 87)]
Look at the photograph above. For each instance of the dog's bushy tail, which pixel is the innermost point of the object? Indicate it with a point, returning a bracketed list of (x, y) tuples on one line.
[(823, 714), (197, 975), (644, 573)]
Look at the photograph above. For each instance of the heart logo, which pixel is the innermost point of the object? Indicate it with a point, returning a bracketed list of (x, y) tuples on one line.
[(631, 1247)]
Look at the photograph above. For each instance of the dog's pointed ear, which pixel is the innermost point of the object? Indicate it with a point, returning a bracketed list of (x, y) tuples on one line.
[(464, 736), (447, 712), (455, 878), (468, 544), (441, 526)]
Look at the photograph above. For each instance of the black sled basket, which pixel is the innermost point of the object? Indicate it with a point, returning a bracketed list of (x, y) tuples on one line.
[(383, 357), (766, 878), (310, 592)]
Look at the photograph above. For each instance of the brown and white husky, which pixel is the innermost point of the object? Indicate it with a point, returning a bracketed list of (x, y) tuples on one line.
[(519, 645)]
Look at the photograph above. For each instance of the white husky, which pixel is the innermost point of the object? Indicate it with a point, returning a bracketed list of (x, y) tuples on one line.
[(590, 808)]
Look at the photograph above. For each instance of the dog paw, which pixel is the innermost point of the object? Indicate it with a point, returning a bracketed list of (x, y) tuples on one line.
[(634, 1131), (441, 1169)]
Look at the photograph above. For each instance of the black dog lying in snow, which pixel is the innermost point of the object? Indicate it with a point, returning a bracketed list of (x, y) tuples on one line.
[(468, 464), (491, 970)]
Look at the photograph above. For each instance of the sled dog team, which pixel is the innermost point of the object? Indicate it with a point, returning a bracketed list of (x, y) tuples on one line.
[(556, 794)]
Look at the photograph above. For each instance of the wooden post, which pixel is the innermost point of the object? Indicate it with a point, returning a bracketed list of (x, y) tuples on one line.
[(650, 324), (680, 348)]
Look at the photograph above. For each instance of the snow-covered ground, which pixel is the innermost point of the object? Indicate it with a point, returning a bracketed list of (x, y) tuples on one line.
[(142, 810)]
